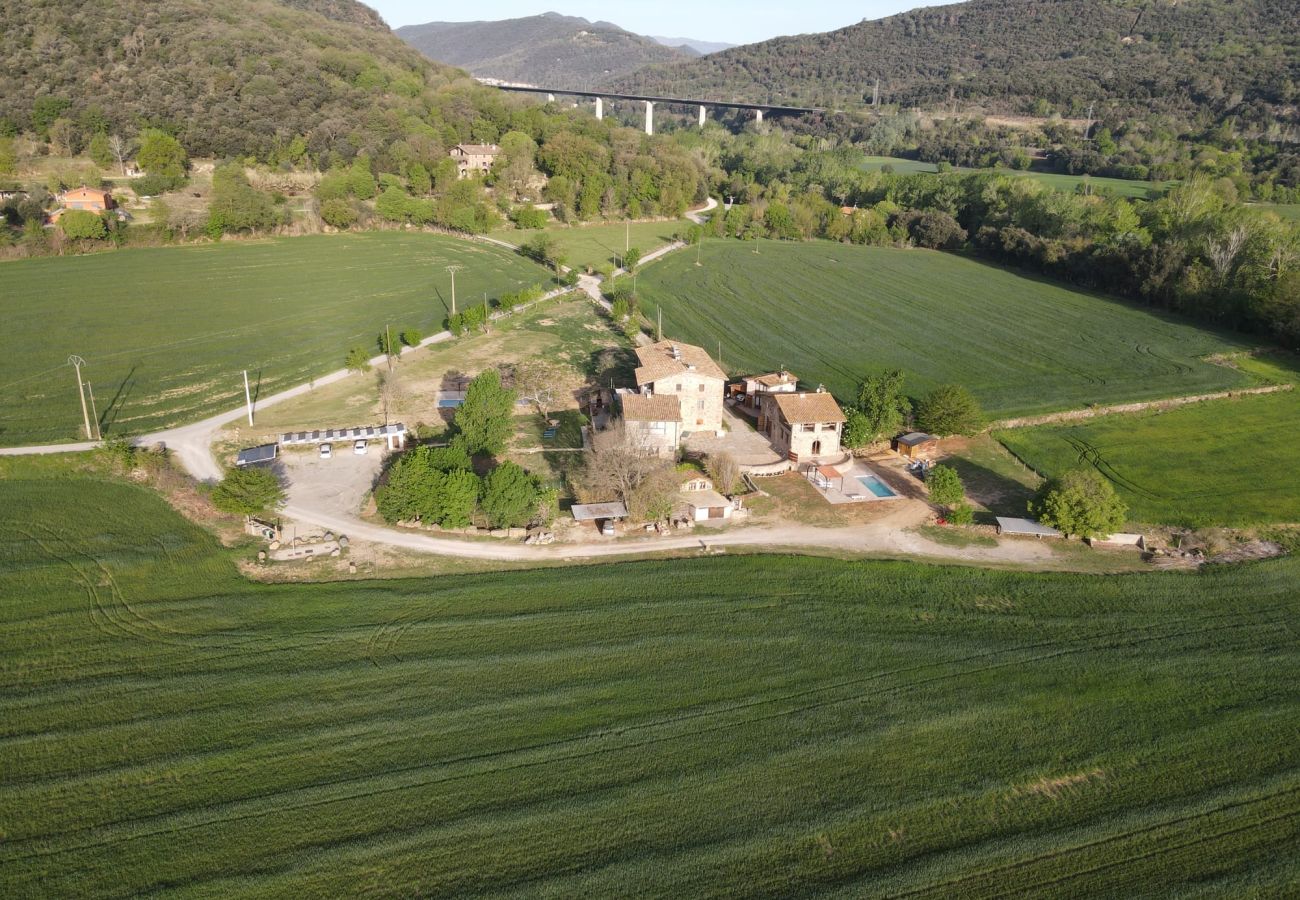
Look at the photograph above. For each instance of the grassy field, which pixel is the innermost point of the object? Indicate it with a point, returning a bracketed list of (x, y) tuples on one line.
[(596, 245), (762, 725), (1227, 462), (165, 332), (1290, 211), (833, 312), (1120, 187)]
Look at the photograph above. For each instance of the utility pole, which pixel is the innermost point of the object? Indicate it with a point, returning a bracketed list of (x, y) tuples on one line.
[(699, 243), (875, 95), (627, 236), (77, 362), (94, 413), (248, 398), (388, 345), (1088, 128), (453, 270), (659, 310)]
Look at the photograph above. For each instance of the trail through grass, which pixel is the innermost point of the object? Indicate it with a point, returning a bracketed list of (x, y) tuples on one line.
[(762, 725)]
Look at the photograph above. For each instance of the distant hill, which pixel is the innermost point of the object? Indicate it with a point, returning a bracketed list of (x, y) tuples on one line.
[(1008, 55), (703, 48), (550, 48), (227, 78)]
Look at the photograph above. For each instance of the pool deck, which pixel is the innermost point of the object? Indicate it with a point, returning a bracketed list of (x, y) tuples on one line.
[(853, 492)]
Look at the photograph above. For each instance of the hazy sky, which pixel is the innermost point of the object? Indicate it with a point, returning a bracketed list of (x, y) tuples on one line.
[(733, 21)]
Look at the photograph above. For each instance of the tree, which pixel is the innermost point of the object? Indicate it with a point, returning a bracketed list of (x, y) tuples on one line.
[(857, 429), (236, 205), (724, 470), (540, 380), (484, 421), (100, 150), (8, 156), (338, 213), (510, 496), (433, 484), (1080, 502), (361, 181), (82, 224), (248, 491), (945, 486), (631, 258), (883, 405), (411, 337), (161, 154), (949, 409), (358, 360), (614, 470), (655, 495), (121, 148)]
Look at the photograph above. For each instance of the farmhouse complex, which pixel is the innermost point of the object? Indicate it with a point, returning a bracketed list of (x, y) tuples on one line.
[(684, 375), (474, 159)]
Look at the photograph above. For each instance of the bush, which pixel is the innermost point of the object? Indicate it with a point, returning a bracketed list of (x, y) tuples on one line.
[(411, 337), (510, 496), (82, 225), (358, 360), (949, 409), (433, 484), (1081, 502), (945, 486), (248, 492), (153, 185), (529, 217), (961, 514), (338, 213)]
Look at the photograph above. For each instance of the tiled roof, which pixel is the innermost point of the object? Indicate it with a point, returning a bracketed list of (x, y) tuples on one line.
[(798, 409), (772, 379), (657, 362), (478, 149), (644, 408)]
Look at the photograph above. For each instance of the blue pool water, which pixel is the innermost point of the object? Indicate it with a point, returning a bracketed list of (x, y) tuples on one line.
[(447, 403), (875, 485)]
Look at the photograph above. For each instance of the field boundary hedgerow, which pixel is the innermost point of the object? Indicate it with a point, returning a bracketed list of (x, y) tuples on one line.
[(1093, 412)]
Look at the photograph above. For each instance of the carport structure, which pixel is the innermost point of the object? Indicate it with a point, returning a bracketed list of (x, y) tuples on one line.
[(394, 434)]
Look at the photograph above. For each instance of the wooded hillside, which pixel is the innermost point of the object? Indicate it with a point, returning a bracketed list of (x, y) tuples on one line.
[(230, 78), (1025, 56), (549, 49)]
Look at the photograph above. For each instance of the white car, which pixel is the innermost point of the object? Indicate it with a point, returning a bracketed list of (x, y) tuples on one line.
[(359, 448), (326, 451)]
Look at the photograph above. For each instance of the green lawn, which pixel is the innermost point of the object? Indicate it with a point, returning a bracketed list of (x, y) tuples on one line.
[(833, 312), (1120, 187), (1290, 211), (594, 245), (165, 332), (710, 727), (1227, 462)]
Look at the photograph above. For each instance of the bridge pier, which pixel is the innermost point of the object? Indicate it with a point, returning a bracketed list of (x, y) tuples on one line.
[(702, 115), (550, 98), (758, 116), (600, 109), (649, 117)]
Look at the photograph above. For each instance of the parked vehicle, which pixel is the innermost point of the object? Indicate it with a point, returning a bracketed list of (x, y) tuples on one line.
[(326, 451), (359, 448), (607, 528)]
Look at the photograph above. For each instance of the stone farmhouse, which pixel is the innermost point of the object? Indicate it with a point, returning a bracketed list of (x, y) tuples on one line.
[(804, 427), (474, 159), (687, 374)]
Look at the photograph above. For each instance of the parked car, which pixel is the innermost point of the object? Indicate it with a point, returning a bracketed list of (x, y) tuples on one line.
[(326, 451), (607, 528), (359, 448)]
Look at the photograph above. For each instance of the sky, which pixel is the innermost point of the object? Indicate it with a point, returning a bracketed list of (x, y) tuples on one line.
[(733, 21)]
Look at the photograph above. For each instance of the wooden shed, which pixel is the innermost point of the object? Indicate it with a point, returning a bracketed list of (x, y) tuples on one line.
[(916, 445)]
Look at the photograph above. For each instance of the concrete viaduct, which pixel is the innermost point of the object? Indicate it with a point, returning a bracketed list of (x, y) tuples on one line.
[(650, 102)]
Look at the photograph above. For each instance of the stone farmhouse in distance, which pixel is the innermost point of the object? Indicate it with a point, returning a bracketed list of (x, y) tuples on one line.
[(474, 159), (802, 426)]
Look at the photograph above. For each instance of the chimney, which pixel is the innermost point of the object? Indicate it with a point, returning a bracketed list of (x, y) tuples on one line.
[(676, 351), (821, 388)]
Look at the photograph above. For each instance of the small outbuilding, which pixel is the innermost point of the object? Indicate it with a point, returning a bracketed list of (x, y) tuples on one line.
[(1026, 528), (916, 445), (259, 455), (590, 512)]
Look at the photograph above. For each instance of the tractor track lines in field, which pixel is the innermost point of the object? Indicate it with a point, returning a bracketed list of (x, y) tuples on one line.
[(953, 887), (1086, 644)]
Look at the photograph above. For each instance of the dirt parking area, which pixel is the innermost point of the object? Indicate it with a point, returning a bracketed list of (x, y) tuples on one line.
[(341, 483)]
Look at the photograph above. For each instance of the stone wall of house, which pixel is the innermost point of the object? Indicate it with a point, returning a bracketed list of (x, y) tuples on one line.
[(701, 398)]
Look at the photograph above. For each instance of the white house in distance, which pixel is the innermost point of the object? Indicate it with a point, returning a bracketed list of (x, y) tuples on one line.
[(802, 426), (474, 159), (690, 376)]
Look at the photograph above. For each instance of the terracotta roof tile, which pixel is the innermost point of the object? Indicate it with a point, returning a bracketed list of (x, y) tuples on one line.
[(657, 362), (798, 409), (644, 408)]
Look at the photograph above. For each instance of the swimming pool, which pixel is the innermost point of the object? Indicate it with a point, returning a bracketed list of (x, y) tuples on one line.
[(875, 485), (449, 403)]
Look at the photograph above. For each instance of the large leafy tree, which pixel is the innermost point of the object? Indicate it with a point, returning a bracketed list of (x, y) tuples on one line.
[(81, 224), (949, 409), (945, 486), (883, 405), (484, 421), (433, 484), (161, 154), (511, 497), (1080, 502)]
